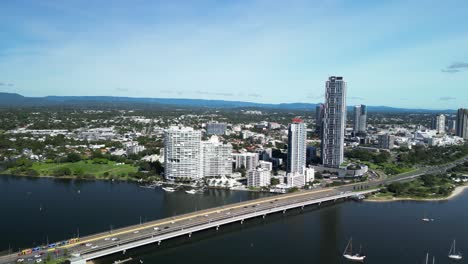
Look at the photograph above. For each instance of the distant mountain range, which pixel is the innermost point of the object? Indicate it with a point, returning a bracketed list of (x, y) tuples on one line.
[(13, 99)]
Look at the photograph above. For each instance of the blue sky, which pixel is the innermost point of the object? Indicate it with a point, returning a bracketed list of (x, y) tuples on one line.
[(394, 53)]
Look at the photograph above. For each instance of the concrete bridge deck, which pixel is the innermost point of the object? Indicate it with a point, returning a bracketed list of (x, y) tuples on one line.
[(99, 245)]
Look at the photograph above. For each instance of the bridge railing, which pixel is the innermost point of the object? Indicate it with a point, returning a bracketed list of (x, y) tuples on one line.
[(206, 224)]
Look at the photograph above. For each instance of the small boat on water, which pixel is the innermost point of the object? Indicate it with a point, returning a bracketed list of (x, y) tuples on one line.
[(191, 191), (426, 219), (453, 252), (168, 189), (348, 253)]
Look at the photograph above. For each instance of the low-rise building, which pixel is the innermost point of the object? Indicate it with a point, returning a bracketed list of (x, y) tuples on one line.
[(216, 128), (386, 141), (258, 178), (295, 179), (133, 148)]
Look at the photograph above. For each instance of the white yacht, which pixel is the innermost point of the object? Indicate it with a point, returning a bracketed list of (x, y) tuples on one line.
[(348, 253), (191, 191), (168, 189), (453, 253), (426, 219)]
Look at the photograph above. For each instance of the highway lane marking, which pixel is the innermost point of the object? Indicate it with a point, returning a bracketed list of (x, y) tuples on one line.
[(192, 216)]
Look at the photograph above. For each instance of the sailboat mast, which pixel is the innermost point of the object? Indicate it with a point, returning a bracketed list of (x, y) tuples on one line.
[(452, 248), (346, 249)]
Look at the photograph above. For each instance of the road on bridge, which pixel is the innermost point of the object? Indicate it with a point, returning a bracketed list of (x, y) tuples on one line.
[(105, 240)]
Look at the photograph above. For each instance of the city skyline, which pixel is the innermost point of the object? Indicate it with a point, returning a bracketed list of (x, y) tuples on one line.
[(255, 51), (152, 131)]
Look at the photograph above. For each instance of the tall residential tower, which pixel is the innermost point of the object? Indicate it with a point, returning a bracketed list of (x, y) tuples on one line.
[(318, 118), (297, 136), (182, 153), (334, 121), (462, 123), (360, 119), (216, 158), (440, 124)]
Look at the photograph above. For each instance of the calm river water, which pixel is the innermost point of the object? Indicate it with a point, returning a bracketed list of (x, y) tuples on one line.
[(34, 211)]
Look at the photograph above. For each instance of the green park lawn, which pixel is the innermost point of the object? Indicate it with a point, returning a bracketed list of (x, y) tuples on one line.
[(85, 169)]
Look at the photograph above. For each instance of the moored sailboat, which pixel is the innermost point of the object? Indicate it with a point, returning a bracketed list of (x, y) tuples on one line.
[(453, 253), (348, 253)]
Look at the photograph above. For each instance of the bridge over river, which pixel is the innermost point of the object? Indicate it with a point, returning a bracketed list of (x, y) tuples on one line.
[(120, 240)]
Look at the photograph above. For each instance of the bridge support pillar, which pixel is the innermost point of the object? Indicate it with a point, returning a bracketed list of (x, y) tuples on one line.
[(284, 211), (302, 208), (217, 228), (124, 251), (190, 235), (159, 242), (264, 216), (242, 221)]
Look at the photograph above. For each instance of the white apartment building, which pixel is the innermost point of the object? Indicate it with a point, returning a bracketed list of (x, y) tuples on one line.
[(309, 174), (295, 179), (133, 147), (248, 160), (297, 136), (182, 153), (247, 134), (216, 158), (440, 124), (258, 178), (266, 165)]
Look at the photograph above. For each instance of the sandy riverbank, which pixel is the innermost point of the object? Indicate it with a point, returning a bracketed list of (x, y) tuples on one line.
[(458, 190)]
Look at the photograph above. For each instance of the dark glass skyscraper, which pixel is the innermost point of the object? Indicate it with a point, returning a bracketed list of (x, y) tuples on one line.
[(462, 123)]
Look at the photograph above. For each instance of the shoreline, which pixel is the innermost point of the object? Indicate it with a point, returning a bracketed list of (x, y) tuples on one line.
[(133, 180), (72, 178), (456, 192)]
